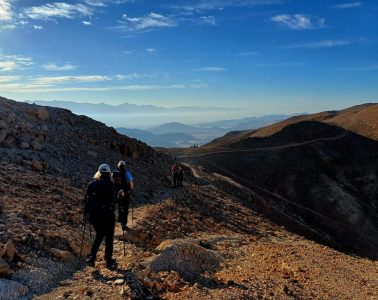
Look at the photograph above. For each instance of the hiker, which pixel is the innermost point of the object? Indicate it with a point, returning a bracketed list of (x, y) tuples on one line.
[(180, 175), (174, 172), (127, 185), (99, 210)]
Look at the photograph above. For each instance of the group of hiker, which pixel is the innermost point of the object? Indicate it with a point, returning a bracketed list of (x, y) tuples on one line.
[(106, 191)]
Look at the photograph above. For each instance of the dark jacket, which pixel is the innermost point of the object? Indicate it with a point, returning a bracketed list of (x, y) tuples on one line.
[(99, 198)]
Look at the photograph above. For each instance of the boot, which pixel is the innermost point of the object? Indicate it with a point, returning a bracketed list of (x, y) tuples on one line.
[(91, 261), (111, 263)]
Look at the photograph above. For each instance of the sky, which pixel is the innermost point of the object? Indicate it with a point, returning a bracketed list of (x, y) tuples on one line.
[(255, 56)]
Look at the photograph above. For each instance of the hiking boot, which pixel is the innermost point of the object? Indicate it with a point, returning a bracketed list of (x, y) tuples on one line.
[(125, 228), (111, 263), (91, 262)]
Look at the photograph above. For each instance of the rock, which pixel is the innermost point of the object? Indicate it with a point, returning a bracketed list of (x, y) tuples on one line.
[(37, 165), (24, 145), (42, 114), (10, 289), (186, 257), (75, 246), (10, 250), (26, 127), (4, 268), (92, 154), (61, 255), (36, 145), (3, 124), (9, 141), (119, 282), (148, 282), (3, 135)]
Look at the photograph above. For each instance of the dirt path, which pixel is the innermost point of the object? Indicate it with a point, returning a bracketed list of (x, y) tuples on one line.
[(266, 148)]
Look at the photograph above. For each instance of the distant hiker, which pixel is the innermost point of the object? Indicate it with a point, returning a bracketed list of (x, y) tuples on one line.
[(174, 171), (127, 185), (99, 209), (180, 175)]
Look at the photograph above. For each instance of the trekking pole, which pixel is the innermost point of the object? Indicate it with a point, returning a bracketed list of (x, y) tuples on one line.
[(82, 237), (124, 242)]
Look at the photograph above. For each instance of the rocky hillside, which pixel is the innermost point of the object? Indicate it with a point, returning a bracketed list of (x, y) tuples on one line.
[(319, 179), (55, 141)]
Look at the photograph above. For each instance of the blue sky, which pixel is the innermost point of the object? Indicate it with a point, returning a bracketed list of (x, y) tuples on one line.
[(262, 56)]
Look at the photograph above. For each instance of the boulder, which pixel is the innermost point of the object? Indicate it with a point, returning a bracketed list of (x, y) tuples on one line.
[(3, 124), (11, 289), (3, 135), (36, 145), (10, 250), (4, 268), (92, 154), (37, 165), (188, 258), (24, 145), (9, 141), (26, 127), (75, 246), (61, 255), (42, 114)]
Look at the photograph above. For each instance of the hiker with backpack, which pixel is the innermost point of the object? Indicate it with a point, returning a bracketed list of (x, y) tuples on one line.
[(180, 175), (127, 186), (99, 210), (174, 171)]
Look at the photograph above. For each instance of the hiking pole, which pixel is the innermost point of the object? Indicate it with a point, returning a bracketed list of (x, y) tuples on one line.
[(82, 237), (124, 242)]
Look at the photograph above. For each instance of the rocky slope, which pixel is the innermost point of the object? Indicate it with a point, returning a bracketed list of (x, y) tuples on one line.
[(55, 141), (203, 242), (319, 177)]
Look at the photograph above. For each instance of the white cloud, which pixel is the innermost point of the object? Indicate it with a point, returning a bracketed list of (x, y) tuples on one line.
[(209, 20), (55, 10), (299, 22), (55, 67), (249, 53), (70, 79), (322, 44), (211, 69), (203, 5), (14, 62), (151, 50), (347, 5), (87, 23), (103, 3), (147, 22), (47, 88), (37, 27), (5, 10), (8, 78)]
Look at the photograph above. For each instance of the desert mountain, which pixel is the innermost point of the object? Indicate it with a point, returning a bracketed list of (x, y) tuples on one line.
[(360, 119), (203, 241), (319, 176)]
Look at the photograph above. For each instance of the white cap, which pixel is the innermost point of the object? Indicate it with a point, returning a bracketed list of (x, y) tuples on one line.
[(121, 163), (104, 168)]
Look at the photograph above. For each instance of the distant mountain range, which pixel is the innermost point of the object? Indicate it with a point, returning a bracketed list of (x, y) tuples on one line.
[(77, 107), (175, 135)]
